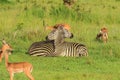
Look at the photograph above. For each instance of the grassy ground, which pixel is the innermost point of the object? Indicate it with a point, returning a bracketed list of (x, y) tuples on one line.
[(21, 24)]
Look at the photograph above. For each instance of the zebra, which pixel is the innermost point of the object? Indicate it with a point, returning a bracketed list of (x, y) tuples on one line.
[(63, 48), (46, 48)]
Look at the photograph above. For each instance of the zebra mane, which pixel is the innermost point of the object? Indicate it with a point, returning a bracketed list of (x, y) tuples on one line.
[(59, 36)]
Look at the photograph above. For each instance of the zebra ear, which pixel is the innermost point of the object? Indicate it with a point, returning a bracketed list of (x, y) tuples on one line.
[(46, 38), (71, 35)]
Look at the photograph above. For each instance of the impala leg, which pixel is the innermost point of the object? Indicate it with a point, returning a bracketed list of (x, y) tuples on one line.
[(11, 76), (28, 73), (30, 76)]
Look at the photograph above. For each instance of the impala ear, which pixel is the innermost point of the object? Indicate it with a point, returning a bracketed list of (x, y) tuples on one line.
[(49, 28), (0, 51), (4, 42)]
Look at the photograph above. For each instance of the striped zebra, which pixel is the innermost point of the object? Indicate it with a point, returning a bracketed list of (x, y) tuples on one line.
[(63, 48), (46, 48), (42, 48)]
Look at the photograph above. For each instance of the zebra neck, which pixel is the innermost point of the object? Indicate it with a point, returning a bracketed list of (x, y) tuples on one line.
[(59, 39), (56, 43), (58, 48)]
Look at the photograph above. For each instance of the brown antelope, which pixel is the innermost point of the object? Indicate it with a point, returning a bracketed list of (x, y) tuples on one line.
[(103, 35), (68, 2), (16, 67), (2, 51), (66, 26)]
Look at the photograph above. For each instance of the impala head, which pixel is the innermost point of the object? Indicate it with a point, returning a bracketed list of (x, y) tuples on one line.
[(104, 30), (66, 26), (60, 31), (6, 47)]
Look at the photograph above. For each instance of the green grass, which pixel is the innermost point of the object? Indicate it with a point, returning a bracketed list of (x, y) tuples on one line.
[(62, 68), (21, 24)]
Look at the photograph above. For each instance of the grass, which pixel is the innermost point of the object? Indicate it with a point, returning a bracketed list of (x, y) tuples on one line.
[(57, 68), (21, 24)]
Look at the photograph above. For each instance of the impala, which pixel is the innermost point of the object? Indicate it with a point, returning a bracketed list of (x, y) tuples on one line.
[(66, 26), (69, 2), (18, 66), (103, 35), (2, 52)]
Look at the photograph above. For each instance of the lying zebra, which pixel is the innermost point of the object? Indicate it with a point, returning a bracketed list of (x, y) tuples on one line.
[(63, 48), (46, 48), (56, 46)]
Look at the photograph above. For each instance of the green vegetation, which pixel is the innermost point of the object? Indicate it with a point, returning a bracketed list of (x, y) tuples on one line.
[(21, 24)]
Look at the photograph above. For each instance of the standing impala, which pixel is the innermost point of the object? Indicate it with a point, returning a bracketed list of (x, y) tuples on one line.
[(2, 51), (16, 67)]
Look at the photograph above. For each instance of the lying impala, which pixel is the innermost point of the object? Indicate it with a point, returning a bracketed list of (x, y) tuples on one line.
[(16, 67), (66, 26)]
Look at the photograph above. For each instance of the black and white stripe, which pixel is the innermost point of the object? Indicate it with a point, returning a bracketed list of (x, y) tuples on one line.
[(43, 48), (71, 49), (46, 48), (63, 48)]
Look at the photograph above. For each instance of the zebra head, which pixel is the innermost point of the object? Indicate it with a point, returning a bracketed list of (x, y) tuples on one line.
[(60, 32)]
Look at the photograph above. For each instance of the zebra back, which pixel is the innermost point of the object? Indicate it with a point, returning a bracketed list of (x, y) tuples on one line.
[(71, 49), (43, 48)]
